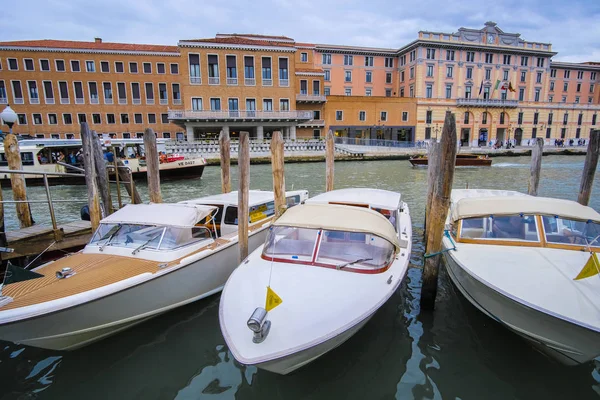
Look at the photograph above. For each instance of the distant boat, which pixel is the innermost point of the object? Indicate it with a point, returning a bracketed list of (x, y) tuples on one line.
[(462, 160), (333, 261), (531, 264)]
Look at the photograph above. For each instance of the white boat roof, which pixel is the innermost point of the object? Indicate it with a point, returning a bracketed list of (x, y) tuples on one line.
[(339, 218), (178, 215), (477, 206), (256, 197), (376, 198)]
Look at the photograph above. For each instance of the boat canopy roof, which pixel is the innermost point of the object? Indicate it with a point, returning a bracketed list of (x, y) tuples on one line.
[(339, 218), (177, 215), (376, 198), (256, 197), (467, 207)]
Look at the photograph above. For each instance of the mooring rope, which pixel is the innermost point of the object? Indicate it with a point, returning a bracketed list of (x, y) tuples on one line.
[(447, 234)]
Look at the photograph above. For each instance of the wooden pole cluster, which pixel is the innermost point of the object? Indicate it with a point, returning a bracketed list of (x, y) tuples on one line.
[(152, 166), (277, 164), (589, 168), (90, 175), (125, 175), (243, 194), (17, 181), (329, 161), (224, 148), (433, 160), (440, 201), (101, 175), (536, 167)]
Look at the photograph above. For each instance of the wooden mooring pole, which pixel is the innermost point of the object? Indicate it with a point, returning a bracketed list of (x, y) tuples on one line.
[(277, 164), (536, 167), (243, 194), (329, 161), (101, 175), (440, 201), (433, 160), (17, 181), (225, 149), (152, 166), (589, 168), (90, 175)]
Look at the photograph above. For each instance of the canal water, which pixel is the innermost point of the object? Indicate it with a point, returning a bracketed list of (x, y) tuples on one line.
[(454, 352)]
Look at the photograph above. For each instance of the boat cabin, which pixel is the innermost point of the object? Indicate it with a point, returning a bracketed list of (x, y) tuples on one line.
[(525, 221), (161, 232), (346, 238), (261, 206)]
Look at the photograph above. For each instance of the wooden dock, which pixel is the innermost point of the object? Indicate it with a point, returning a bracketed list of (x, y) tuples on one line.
[(33, 240)]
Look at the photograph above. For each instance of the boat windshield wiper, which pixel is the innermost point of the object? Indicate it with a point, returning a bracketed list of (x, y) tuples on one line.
[(110, 237), (352, 262), (146, 243)]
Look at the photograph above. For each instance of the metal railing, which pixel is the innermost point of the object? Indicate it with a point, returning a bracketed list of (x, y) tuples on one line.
[(196, 80), (3, 100), (215, 80), (49, 100), (311, 97), (221, 115), (376, 142), (250, 82), (177, 101), (487, 102), (79, 100), (232, 81)]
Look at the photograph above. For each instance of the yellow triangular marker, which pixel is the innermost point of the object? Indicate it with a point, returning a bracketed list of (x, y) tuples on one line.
[(273, 300), (591, 267)]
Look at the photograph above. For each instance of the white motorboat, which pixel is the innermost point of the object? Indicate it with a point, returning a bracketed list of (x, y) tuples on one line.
[(529, 263), (143, 260), (324, 270)]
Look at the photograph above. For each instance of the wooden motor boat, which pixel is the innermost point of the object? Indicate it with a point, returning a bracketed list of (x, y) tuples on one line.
[(324, 269), (531, 264), (462, 160), (143, 260)]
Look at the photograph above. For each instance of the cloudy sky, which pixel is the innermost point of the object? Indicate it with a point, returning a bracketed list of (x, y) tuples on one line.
[(572, 27)]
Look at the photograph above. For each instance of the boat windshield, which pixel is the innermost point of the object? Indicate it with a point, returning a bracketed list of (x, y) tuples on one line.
[(351, 250), (502, 227), (135, 236), (569, 231)]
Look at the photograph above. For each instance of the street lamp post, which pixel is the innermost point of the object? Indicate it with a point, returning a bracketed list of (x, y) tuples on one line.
[(9, 117)]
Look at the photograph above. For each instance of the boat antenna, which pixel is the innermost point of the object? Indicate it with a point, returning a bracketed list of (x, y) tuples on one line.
[(273, 256)]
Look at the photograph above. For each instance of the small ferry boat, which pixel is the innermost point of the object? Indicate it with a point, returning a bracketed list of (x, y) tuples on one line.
[(53, 155), (531, 264), (462, 160), (143, 260), (326, 267)]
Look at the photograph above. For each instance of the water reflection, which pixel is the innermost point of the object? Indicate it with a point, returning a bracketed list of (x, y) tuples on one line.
[(453, 352)]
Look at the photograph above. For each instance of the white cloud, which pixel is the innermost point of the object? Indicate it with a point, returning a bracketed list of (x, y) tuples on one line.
[(572, 30)]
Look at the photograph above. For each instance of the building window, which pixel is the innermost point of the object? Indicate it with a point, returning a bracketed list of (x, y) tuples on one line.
[(137, 118), (348, 59), (524, 61), (520, 118), (75, 66), (96, 119), (368, 92), (90, 66), (538, 78), (448, 91), (469, 72), (591, 88), (362, 115), (593, 119), (533, 133), (119, 67), (388, 92), (506, 60), (149, 93), (540, 62), (577, 133), (389, 62), (326, 58), (110, 118), (565, 118), (521, 94), (174, 68), (449, 55), (52, 120), (81, 118), (489, 58), (164, 118), (283, 71), (484, 118), (488, 74), (578, 89), (348, 91), (383, 115), (368, 76), (45, 65), (580, 119), (348, 76), (536, 117), (429, 70), (160, 68), (466, 119), (502, 118), (28, 62), (429, 91), (552, 73), (411, 91), (104, 67), (37, 119), (551, 86), (151, 118), (339, 115), (13, 65), (327, 77), (427, 133), (564, 99), (22, 119), (428, 116), (107, 92), (327, 91), (284, 105), (470, 56), (267, 105), (401, 92), (166, 135), (316, 133), (565, 87), (388, 77), (147, 67), (33, 92), (412, 73), (196, 104), (550, 99), (133, 68), (468, 92), (231, 69), (368, 61), (567, 74), (67, 119), (563, 133), (404, 116), (126, 135), (486, 92), (215, 104), (124, 118), (304, 57), (266, 70), (550, 118), (537, 95), (401, 76), (592, 76), (139, 135), (523, 76), (431, 54), (449, 71)]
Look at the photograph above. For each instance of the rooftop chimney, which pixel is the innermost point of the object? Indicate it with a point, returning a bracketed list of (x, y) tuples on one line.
[(98, 40)]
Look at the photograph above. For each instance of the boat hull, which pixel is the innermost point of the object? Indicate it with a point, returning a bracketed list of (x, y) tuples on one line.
[(292, 362), (460, 162), (75, 327), (568, 343)]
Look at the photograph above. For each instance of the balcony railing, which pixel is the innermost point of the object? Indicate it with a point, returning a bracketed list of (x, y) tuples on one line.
[(214, 80), (267, 82), (164, 101), (241, 115), (196, 80), (106, 101), (177, 101), (284, 82), (312, 122), (311, 98), (232, 81), (35, 100), (137, 101), (250, 82), (486, 103), (94, 100), (79, 100), (122, 101), (3, 100), (65, 100), (150, 101), (49, 101)]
